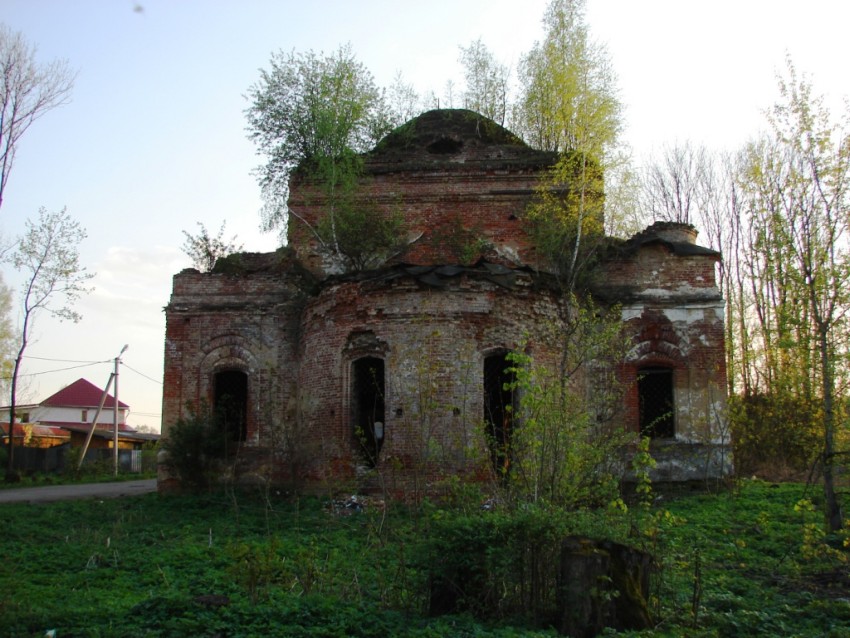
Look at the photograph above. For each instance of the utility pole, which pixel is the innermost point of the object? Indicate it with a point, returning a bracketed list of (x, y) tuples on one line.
[(115, 411), (94, 421)]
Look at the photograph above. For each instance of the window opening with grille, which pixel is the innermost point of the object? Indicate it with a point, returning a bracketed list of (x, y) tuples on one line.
[(655, 394)]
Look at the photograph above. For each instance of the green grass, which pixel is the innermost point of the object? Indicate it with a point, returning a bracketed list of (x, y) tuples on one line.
[(764, 567), (142, 567)]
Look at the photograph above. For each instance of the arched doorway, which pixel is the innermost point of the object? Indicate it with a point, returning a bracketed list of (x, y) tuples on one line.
[(656, 402), (230, 403)]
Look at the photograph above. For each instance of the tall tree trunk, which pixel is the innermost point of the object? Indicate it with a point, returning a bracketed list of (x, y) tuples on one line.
[(832, 509), (10, 460)]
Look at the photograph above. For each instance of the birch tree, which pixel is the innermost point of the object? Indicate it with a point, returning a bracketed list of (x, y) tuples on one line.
[(313, 110), (569, 105), (487, 82), (47, 256)]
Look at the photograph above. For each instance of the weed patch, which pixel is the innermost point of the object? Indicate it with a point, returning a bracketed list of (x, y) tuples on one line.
[(738, 563)]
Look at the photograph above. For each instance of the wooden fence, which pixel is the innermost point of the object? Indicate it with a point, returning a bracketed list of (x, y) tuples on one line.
[(58, 459)]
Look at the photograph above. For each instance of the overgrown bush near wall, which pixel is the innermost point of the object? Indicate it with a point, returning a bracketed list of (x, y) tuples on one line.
[(464, 244), (775, 436), (359, 236), (562, 452), (197, 447)]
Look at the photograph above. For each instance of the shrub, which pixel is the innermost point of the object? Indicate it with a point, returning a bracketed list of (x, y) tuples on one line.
[(197, 447), (773, 434)]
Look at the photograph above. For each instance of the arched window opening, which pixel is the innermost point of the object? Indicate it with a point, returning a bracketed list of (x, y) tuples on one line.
[(230, 403), (368, 406), (499, 409), (655, 397)]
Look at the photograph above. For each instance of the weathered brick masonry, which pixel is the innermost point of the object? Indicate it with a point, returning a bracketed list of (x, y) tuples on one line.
[(666, 286), (304, 347)]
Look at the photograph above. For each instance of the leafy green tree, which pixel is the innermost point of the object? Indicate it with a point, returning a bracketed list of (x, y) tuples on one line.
[(566, 220), (568, 96), (28, 90), (315, 112), (818, 198), (204, 250), (48, 257), (567, 450), (569, 105), (315, 115)]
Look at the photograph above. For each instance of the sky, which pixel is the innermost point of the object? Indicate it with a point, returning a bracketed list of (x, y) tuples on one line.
[(154, 139)]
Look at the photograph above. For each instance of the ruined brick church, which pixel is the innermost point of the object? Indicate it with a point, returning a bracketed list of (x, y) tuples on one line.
[(339, 376)]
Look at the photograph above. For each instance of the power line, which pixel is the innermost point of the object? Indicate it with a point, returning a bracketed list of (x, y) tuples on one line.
[(64, 360), (36, 374), (141, 374), (32, 374)]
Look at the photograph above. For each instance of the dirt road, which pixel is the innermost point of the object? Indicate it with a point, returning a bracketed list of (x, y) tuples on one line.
[(67, 492)]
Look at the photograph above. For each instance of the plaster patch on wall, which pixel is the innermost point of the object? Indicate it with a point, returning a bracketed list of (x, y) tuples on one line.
[(508, 252), (679, 315), (632, 312), (657, 293)]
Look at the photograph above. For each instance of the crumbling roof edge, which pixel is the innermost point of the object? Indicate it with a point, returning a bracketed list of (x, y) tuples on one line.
[(439, 275), (680, 248)]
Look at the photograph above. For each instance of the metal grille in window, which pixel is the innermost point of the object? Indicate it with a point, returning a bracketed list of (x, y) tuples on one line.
[(655, 392)]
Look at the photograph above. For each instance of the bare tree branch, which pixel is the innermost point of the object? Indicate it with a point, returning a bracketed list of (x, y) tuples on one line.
[(27, 91)]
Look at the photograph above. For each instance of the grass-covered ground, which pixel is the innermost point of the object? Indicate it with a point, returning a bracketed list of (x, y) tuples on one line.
[(749, 562)]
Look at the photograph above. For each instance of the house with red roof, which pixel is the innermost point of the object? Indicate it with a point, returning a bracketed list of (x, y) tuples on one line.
[(68, 415), (77, 404)]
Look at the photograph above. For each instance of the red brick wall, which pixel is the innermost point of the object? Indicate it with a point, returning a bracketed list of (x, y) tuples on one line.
[(434, 205), (221, 322), (297, 349), (673, 308), (433, 343)]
